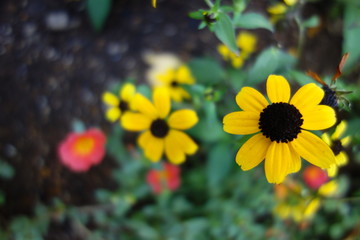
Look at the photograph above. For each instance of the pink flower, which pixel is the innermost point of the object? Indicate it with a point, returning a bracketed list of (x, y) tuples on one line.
[(79, 151), (314, 177), (168, 178)]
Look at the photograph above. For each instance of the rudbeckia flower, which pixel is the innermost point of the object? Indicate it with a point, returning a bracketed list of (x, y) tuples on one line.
[(162, 133), (281, 128), (174, 79), (167, 178), (118, 105), (337, 144), (246, 42), (80, 151)]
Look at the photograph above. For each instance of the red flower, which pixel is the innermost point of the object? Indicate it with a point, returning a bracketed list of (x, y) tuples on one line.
[(79, 151), (314, 177), (168, 178)]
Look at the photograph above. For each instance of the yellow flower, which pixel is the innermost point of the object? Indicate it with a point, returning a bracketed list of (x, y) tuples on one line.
[(337, 144), (281, 137), (161, 133), (173, 79), (246, 42), (291, 204), (118, 105)]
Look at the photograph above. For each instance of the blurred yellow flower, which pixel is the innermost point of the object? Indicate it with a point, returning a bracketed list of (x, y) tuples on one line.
[(118, 105), (247, 44), (161, 132), (174, 79), (291, 204), (337, 144), (280, 128)]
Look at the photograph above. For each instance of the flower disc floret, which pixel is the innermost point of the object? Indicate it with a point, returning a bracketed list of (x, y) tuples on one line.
[(281, 122), (159, 128), (280, 127)]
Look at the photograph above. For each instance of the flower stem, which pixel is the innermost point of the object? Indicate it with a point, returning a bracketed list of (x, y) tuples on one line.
[(209, 3)]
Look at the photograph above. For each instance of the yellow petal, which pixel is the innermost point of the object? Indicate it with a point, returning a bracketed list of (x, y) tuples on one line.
[(318, 117), (183, 119), (308, 95), (340, 129), (135, 121), (143, 105), (277, 9), (127, 92), (184, 141), (290, 2), (326, 138), (173, 151), (345, 141), (113, 114), (329, 189), (341, 158), (110, 99), (154, 3), (278, 89), (154, 148), (241, 122), (144, 138), (178, 94), (312, 208), (224, 51), (162, 102), (184, 75), (252, 152), (249, 99), (277, 162), (246, 42), (332, 170), (313, 149), (295, 160)]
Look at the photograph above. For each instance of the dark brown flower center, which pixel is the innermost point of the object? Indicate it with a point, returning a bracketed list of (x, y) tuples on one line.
[(337, 147), (159, 128), (281, 122), (123, 106), (174, 83)]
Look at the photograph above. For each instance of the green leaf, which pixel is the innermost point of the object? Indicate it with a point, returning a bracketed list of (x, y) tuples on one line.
[(197, 14), (98, 11), (225, 32), (271, 61), (351, 32), (206, 71), (221, 158), (253, 20)]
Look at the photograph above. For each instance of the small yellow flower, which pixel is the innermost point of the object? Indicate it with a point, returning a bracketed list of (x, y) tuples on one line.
[(337, 144), (174, 79), (291, 204), (161, 132), (246, 42), (280, 128), (118, 105)]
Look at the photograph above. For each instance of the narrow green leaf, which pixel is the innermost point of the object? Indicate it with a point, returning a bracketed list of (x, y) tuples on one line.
[(225, 32), (313, 21), (98, 11), (253, 20)]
